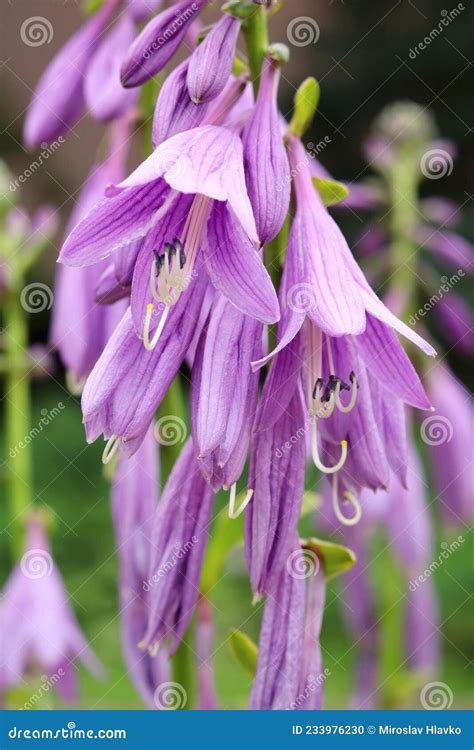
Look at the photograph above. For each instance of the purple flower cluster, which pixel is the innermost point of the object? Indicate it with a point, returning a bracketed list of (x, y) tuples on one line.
[(170, 266)]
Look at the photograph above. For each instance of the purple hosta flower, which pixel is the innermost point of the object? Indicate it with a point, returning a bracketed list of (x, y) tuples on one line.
[(448, 434), (81, 327), (211, 63), (105, 96), (158, 41), (39, 633), (179, 539), (58, 100), (266, 164), (281, 645), (345, 333), (448, 246), (192, 184), (457, 322), (128, 383), (276, 478), (207, 699), (224, 393), (311, 685), (134, 501)]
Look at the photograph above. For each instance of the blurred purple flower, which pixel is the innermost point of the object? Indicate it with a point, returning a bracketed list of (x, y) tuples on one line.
[(39, 632)]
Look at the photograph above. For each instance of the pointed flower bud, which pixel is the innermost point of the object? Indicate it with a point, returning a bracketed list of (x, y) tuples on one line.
[(211, 63), (266, 164), (158, 42)]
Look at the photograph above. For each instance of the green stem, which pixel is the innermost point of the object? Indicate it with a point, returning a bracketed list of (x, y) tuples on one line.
[(255, 31), (403, 217), (17, 414)]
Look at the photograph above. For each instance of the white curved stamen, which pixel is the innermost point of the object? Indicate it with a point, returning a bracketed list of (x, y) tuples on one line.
[(110, 449), (233, 513), (345, 409), (147, 343), (348, 497), (315, 453)]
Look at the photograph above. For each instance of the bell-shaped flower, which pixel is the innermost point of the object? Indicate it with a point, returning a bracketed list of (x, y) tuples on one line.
[(158, 41), (276, 480), (192, 185), (38, 628), (179, 539), (281, 644), (224, 392)]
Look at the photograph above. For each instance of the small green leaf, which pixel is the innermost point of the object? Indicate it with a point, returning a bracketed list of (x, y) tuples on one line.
[(244, 650), (305, 105), (240, 67), (331, 191), (336, 558), (92, 6)]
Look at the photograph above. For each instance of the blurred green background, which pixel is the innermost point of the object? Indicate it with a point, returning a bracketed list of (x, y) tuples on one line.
[(362, 60)]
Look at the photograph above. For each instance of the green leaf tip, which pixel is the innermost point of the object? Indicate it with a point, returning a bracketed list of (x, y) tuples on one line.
[(331, 191), (245, 651), (336, 558), (305, 105)]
